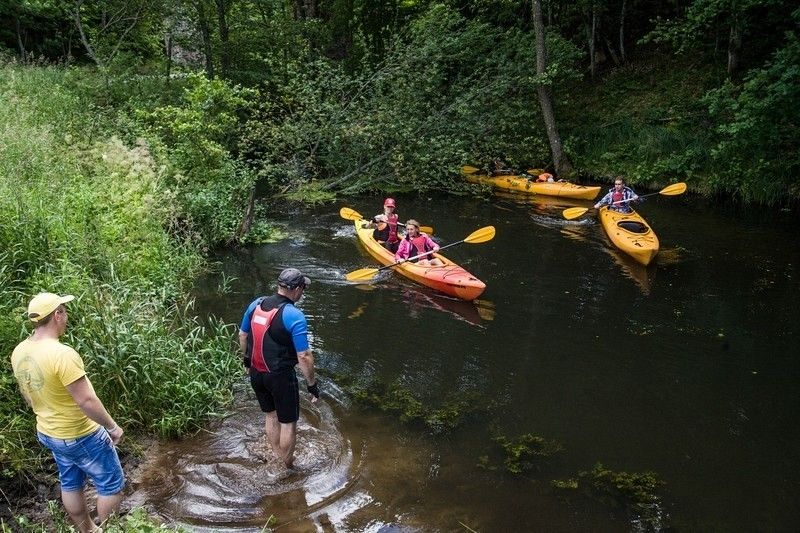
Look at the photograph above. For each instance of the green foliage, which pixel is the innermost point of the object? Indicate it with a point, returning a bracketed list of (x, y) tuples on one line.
[(527, 451), (83, 213), (410, 119), (197, 137), (757, 150)]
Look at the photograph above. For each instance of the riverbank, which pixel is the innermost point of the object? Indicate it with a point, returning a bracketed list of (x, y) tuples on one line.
[(87, 208)]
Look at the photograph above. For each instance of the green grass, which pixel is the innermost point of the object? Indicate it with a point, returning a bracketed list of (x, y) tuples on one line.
[(83, 212)]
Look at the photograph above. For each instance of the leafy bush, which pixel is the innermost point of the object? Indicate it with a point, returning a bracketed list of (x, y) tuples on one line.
[(83, 213)]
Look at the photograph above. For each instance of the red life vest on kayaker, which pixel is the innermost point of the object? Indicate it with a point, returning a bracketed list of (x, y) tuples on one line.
[(617, 196), (266, 354), (419, 245), (387, 231)]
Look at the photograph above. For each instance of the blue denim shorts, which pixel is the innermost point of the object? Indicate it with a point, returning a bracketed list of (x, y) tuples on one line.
[(92, 455)]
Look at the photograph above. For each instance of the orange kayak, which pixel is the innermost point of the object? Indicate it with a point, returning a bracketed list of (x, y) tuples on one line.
[(562, 189), (630, 233), (449, 278)]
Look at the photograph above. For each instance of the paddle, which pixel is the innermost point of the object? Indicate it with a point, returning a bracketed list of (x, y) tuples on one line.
[(669, 190), (478, 236), (350, 214), (466, 169)]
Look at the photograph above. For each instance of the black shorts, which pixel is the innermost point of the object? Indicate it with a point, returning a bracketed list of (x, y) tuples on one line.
[(391, 246), (277, 391)]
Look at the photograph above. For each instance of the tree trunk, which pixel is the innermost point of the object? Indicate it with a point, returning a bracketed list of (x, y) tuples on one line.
[(311, 9), (734, 48), (562, 165), (612, 52), (21, 45), (225, 54), (622, 33), (168, 50), (297, 9), (205, 34), (592, 41), (247, 219)]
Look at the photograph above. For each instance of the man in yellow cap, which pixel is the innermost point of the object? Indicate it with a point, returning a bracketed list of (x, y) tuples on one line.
[(71, 421)]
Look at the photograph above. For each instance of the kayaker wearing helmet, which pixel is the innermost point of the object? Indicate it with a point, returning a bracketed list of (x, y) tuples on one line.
[(417, 243), (619, 197), (385, 226)]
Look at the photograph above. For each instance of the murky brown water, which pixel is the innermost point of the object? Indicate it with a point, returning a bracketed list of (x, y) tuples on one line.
[(686, 368)]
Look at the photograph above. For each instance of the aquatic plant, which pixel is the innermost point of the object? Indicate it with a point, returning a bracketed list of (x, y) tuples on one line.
[(636, 492), (634, 487), (395, 397), (526, 451)]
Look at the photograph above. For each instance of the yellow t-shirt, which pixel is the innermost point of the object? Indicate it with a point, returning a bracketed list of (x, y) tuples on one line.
[(43, 369)]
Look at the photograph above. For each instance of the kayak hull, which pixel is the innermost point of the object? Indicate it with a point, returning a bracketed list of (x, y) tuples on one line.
[(449, 278), (560, 189), (630, 233)]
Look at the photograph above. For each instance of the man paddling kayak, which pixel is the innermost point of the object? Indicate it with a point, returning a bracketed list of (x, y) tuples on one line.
[(619, 197)]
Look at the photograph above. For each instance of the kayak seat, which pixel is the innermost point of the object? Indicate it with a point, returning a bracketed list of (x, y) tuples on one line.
[(633, 226)]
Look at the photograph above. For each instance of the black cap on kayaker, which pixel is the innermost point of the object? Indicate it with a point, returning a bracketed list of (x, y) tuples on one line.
[(389, 202), (292, 278)]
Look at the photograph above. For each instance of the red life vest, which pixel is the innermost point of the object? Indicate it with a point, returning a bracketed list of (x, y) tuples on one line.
[(617, 196), (419, 245), (259, 326), (387, 231)]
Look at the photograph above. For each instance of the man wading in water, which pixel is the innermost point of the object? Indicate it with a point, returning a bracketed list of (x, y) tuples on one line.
[(273, 337)]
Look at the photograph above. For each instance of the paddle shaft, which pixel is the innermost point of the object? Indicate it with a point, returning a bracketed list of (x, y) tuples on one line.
[(421, 255), (637, 198)]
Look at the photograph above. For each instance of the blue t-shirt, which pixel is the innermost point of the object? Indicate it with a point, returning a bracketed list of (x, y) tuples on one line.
[(293, 320)]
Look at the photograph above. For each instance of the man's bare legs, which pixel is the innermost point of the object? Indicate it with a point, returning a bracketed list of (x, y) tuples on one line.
[(281, 438), (78, 511), (75, 504), (107, 505)]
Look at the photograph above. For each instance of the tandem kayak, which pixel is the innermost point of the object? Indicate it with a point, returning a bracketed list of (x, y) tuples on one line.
[(630, 233), (562, 189), (449, 278)]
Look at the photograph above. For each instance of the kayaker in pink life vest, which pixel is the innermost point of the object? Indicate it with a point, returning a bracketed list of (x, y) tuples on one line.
[(385, 226), (619, 198), (416, 243)]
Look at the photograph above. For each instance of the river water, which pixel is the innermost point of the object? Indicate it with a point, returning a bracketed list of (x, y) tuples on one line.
[(687, 368)]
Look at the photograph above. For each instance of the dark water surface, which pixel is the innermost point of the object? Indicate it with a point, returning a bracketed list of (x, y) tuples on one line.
[(687, 368)]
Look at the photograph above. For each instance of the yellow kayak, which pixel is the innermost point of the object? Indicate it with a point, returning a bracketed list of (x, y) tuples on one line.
[(630, 233), (562, 189), (449, 278)]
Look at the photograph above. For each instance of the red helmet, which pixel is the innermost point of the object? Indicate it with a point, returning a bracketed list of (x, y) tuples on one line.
[(389, 202)]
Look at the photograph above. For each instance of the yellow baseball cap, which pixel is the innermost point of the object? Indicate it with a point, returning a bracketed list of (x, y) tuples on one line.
[(45, 303)]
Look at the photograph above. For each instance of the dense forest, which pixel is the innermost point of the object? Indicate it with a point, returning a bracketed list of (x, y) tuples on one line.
[(136, 135)]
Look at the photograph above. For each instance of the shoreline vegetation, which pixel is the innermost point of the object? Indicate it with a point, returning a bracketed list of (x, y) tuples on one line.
[(124, 161)]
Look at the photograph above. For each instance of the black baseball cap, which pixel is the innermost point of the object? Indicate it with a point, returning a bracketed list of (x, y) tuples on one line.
[(292, 278)]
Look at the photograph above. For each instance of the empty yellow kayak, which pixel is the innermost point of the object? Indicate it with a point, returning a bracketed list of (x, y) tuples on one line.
[(630, 233), (562, 189)]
